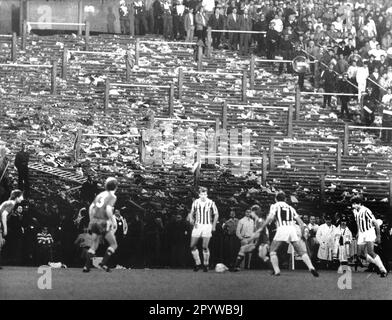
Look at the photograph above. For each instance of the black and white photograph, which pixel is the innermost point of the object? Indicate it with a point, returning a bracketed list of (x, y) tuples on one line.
[(196, 155)]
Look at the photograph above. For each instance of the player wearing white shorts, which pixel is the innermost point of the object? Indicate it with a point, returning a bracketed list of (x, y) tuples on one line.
[(285, 216), (368, 233), (203, 216), (261, 240)]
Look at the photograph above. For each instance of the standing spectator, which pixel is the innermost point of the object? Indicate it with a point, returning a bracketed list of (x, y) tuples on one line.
[(44, 247), (201, 25), (272, 39), (345, 87), (260, 24), (325, 237), (341, 65), (30, 226), (361, 78), (245, 227), (287, 52), (312, 241), (89, 190), (208, 6), (231, 243), (178, 238), (83, 243), (233, 24), (189, 25), (178, 21), (342, 243), (216, 22), (140, 18), (22, 165), (167, 21), (157, 8), (121, 232), (4, 182), (245, 24), (328, 78), (124, 17), (13, 246)]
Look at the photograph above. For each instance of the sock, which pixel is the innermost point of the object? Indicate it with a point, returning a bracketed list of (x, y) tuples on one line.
[(379, 264), (238, 261), (196, 257), (306, 260), (206, 257), (108, 254), (370, 259), (275, 263), (90, 254)]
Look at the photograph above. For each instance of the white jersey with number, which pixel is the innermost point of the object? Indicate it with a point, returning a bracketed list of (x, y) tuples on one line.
[(366, 231), (284, 216)]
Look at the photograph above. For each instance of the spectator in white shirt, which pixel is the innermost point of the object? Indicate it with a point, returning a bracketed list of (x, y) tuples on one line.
[(370, 27), (208, 6), (387, 98), (325, 237), (352, 70), (361, 77), (377, 52), (278, 23), (245, 227)]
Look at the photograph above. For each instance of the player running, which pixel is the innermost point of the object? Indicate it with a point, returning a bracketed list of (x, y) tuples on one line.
[(368, 233), (5, 209), (203, 225), (260, 239), (285, 216), (103, 224)]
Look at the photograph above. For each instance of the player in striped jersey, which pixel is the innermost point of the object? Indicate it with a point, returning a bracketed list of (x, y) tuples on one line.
[(103, 223), (203, 216), (285, 216), (368, 233), (260, 239)]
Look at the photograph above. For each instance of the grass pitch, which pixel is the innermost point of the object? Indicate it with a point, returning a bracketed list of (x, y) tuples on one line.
[(161, 284)]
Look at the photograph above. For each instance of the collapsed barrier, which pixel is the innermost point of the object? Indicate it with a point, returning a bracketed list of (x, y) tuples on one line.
[(27, 25), (13, 40), (53, 68)]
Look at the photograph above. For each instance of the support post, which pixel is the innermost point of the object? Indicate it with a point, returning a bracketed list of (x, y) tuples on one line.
[(346, 136), (322, 189), (272, 154), (297, 102), (390, 191), (137, 49), (339, 157), (65, 64), (290, 121), (244, 86), (142, 148), (209, 42), (128, 68), (24, 35), (80, 17), (171, 100), (264, 173), (217, 123), (107, 94), (180, 82), (196, 176), (14, 47), (21, 17), (151, 121), (316, 73), (87, 35), (199, 57), (53, 77), (224, 115), (77, 144), (252, 72)]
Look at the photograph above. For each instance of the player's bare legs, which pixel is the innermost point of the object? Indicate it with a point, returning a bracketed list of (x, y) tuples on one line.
[(111, 239), (274, 257), (206, 253), (91, 252), (195, 253), (305, 257), (246, 248)]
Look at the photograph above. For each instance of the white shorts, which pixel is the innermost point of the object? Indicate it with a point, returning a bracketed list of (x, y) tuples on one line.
[(202, 231), (367, 236), (286, 234)]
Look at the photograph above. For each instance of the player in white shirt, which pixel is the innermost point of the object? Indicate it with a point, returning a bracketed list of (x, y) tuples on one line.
[(368, 233), (203, 216), (285, 217)]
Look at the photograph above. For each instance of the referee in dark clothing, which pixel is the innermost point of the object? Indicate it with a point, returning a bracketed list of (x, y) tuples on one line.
[(22, 165)]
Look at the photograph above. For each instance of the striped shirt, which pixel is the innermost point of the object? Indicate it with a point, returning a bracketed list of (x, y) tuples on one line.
[(203, 210), (283, 213), (364, 218)]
